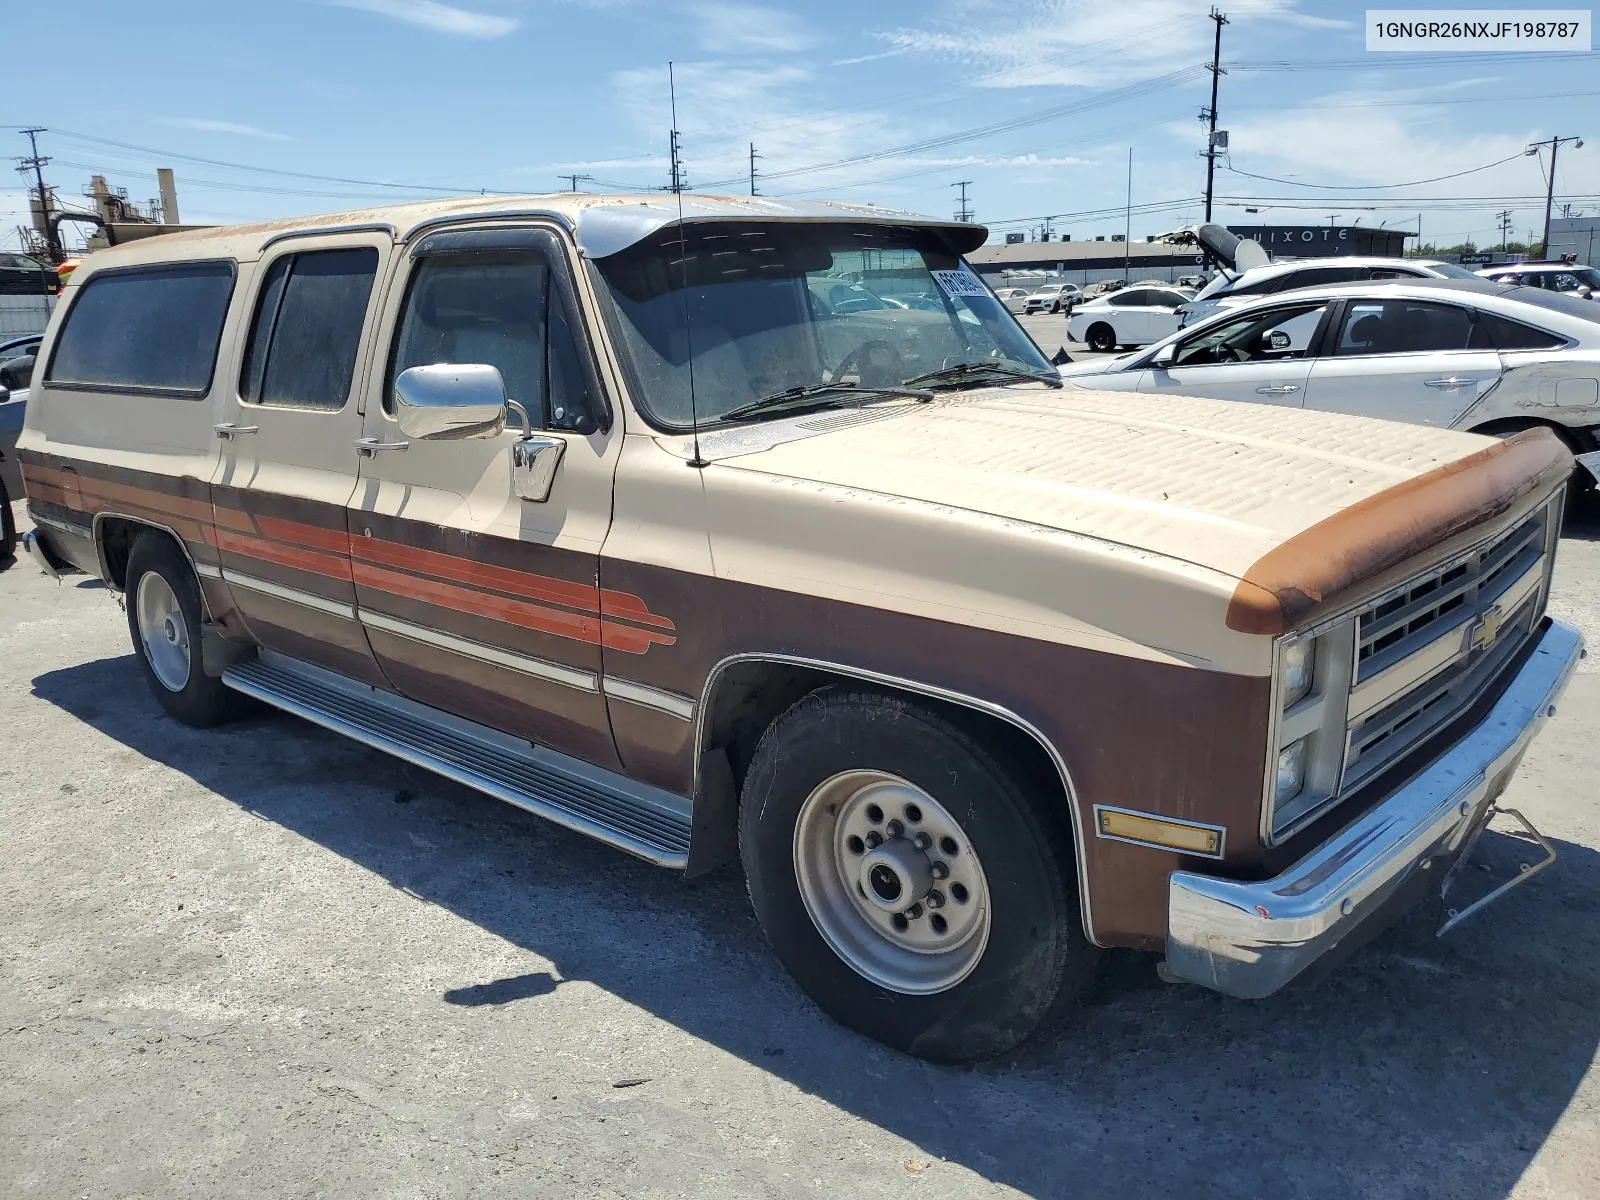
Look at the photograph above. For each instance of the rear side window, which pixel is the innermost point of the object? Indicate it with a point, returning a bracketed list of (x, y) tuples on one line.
[(152, 329), (1404, 327), (307, 330), (1320, 277), (1505, 334)]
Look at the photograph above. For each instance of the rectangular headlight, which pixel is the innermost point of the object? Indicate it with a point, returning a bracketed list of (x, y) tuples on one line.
[(1296, 667), (1291, 770)]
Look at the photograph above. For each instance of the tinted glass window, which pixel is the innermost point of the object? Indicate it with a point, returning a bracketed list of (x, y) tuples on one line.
[(1402, 326), (1505, 334), (1261, 337), (155, 328), (307, 331), (496, 308), (1128, 299), (1320, 276)]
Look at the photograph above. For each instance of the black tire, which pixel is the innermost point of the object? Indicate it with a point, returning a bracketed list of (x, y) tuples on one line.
[(202, 701), (1101, 338), (1036, 957), (8, 525)]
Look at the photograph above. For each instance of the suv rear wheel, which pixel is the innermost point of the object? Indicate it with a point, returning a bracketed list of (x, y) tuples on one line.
[(917, 889), (164, 615)]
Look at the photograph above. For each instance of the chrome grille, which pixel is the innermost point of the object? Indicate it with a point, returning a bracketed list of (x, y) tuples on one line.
[(1443, 613)]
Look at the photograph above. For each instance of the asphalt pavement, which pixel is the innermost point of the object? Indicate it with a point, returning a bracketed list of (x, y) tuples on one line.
[(265, 961)]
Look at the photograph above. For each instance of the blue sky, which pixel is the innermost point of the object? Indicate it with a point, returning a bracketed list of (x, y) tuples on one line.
[(874, 102)]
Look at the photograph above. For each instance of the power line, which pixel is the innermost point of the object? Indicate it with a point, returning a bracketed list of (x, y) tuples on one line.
[(1359, 187)]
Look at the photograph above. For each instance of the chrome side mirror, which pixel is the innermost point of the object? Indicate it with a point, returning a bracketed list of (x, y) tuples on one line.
[(450, 401), (1165, 356)]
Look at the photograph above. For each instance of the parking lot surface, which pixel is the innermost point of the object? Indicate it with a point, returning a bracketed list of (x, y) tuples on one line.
[(263, 960)]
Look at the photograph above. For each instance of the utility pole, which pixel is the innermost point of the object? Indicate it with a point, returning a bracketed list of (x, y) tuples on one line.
[(1550, 183), (677, 181), (574, 180), (38, 164), (1211, 113), (964, 213), (1505, 228), (1127, 224), (753, 157)]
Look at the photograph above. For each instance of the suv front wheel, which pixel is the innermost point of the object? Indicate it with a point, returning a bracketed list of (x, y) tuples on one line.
[(916, 888)]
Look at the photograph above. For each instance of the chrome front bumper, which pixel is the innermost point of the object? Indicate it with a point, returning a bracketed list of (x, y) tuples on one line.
[(1249, 939)]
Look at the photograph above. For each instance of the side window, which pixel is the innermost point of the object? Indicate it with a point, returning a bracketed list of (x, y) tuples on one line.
[(498, 308), (1261, 337), (306, 335), (1321, 276), (1505, 334), (1403, 326), (151, 329), (1130, 299)]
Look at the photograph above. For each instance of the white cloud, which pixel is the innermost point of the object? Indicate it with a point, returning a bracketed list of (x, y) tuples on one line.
[(205, 125), (441, 18), (750, 29), (1029, 43)]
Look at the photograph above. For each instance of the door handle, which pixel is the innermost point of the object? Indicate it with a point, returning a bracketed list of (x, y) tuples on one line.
[(1453, 381), (368, 446), (228, 429), (1282, 389)]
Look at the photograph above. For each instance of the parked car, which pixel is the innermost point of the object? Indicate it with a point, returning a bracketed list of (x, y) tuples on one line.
[(1134, 316), (1050, 298), (1225, 292), (17, 359), (1457, 354), (1014, 298), (1574, 278), (592, 506)]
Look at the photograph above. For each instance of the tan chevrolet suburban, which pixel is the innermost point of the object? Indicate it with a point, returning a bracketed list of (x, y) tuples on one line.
[(747, 529)]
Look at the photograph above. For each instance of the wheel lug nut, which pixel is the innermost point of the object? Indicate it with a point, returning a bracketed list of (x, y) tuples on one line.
[(895, 828), (934, 899), (874, 840), (914, 911), (940, 871), (922, 841)]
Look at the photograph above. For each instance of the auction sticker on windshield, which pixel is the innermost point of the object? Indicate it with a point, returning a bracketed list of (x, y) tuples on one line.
[(1459, 29), (959, 283)]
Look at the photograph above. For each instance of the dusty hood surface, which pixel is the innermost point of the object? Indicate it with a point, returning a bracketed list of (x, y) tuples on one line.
[(1210, 482)]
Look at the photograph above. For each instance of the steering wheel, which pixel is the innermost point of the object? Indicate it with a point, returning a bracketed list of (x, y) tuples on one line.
[(887, 373)]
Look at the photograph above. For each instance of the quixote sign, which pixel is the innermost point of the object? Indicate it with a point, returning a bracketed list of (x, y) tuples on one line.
[(1321, 241)]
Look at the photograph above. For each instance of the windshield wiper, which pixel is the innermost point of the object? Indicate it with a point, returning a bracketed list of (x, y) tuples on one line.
[(819, 393), (975, 371)]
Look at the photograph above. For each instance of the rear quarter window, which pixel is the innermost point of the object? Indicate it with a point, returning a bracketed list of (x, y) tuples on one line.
[(150, 329)]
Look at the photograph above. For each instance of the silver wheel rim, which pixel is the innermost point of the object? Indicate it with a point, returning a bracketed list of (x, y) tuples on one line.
[(891, 882), (163, 631)]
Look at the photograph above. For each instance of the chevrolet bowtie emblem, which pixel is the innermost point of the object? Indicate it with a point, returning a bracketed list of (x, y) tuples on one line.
[(1486, 630)]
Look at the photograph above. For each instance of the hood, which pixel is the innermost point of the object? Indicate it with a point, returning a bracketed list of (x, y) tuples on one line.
[(1209, 482)]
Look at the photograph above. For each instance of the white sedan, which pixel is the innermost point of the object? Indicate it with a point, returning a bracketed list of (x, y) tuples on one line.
[(1133, 316), (1014, 298), (1464, 354)]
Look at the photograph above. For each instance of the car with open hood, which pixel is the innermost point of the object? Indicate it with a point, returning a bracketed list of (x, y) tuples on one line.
[(739, 530)]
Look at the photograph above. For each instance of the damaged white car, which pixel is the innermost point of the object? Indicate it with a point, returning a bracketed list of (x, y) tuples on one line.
[(1457, 354)]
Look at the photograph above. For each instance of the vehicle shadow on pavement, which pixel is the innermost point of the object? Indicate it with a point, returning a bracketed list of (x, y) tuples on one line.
[(1423, 1066)]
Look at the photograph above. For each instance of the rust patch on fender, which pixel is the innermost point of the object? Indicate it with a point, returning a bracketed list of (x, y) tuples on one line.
[(1336, 554)]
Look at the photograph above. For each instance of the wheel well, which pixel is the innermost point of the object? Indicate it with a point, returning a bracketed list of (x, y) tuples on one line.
[(115, 537), (747, 697)]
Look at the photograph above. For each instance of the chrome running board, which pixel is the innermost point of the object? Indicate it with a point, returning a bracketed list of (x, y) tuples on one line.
[(638, 818)]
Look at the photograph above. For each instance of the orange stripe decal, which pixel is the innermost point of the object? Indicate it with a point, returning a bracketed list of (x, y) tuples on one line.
[(447, 595), (287, 556), (469, 571)]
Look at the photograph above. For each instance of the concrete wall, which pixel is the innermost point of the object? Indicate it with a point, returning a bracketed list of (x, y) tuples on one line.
[(1576, 235)]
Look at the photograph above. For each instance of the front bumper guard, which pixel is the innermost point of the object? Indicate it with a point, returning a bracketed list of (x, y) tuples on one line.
[(1248, 939)]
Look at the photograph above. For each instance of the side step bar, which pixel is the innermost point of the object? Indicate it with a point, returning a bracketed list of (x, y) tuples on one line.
[(638, 818)]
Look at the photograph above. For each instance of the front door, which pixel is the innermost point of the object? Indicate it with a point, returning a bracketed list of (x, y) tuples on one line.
[(1405, 360), (1262, 358), (288, 423), (474, 600)]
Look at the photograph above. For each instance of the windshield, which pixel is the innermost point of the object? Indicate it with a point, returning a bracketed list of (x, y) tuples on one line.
[(747, 311)]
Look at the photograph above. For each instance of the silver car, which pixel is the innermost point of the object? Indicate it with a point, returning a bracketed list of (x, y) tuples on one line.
[(1459, 354)]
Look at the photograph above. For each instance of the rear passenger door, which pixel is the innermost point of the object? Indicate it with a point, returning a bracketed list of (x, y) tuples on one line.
[(1405, 360), (288, 425), (475, 600)]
